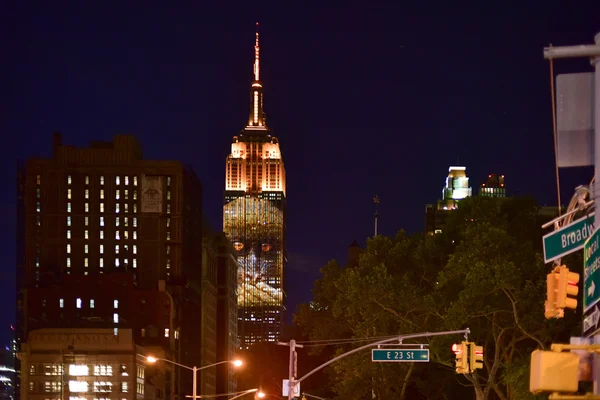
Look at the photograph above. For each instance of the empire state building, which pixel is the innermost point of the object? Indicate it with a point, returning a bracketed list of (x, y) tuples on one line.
[(254, 221)]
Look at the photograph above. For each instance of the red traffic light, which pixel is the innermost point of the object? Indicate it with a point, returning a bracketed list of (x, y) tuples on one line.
[(456, 348)]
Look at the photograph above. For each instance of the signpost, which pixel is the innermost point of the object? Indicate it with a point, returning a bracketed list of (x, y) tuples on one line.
[(568, 239), (400, 355)]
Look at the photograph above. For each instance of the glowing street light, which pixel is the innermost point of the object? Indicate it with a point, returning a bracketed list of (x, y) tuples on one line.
[(236, 363)]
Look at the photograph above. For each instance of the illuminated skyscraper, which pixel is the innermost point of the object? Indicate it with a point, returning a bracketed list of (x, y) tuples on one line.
[(253, 219), (457, 188)]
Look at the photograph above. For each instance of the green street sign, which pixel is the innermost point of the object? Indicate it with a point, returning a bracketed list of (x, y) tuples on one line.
[(591, 271), (400, 355), (568, 239)]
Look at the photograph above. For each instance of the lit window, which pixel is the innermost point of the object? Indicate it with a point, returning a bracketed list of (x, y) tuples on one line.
[(124, 387), (126, 180), (135, 194), (125, 235), (68, 248), (87, 179), (61, 303), (116, 249), (134, 263), (126, 207), (86, 249), (102, 263), (39, 180), (69, 207), (116, 303), (101, 234), (134, 249), (168, 222), (103, 370), (101, 207), (135, 181), (86, 234), (68, 262), (166, 332), (135, 222), (87, 193), (116, 318), (92, 304), (168, 181), (69, 220), (102, 194), (117, 221), (168, 209), (37, 262), (117, 195), (168, 249), (68, 234), (101, 249), (126, 194), (78, 386), (87, 207), (38, 207), (168, 235), (78, 370), (125, 221), (117, 207), (86, 262), (117, 263), (168, 195), (134, 208), (134, 235), (38, 193), (69, 180), (87, 221), (101, 221), (117, 180), (69, 194), (117, 235), (102, 180), (168, 263), (116, 331), (78, 302)]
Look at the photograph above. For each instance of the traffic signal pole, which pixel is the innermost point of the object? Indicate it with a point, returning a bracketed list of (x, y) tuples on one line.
[(592, 52), (398, 338)]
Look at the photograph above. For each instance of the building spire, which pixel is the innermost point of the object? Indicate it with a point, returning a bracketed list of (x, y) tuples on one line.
[(257, 118)]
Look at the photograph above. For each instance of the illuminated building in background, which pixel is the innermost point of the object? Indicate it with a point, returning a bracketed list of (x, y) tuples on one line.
[(456, 189), (494, 187), (253, 220)]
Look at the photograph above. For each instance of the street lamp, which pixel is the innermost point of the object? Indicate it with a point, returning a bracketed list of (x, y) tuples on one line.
[(194, 369), (258, 395)]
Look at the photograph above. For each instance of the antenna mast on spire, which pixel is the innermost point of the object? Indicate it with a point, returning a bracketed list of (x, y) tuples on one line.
[(256, 57), (376, 201)]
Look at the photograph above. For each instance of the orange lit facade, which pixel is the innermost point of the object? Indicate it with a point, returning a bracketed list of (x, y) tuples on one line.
[(254, 222)]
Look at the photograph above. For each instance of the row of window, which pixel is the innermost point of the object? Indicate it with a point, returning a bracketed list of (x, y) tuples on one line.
[(82, 387), (117, 194), (86, 248), (101, 208), (87, 180)]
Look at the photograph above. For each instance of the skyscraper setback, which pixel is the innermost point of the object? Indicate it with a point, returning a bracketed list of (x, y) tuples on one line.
[(254, 221)]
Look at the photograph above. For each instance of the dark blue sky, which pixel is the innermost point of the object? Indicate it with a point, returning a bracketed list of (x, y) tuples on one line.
[(367, 98)]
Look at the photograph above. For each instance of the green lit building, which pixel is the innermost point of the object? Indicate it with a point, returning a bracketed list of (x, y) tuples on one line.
[(254, 222)]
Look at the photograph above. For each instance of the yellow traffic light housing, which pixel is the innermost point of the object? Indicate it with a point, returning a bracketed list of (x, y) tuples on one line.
[(475, 357), (551, 310), (461, 352), (567, 286)]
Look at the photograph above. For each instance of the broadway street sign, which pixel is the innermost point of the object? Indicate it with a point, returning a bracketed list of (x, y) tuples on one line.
[(400, 355), (568, 239)]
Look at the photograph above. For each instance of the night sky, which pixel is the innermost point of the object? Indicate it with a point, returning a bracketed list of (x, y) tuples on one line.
[(366, 99)]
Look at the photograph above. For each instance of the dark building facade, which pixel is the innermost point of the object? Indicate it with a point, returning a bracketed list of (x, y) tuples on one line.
[(254, 222), (88, 213), (494, 187), (227, 312)]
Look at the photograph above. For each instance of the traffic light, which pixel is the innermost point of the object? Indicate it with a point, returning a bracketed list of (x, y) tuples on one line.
[(475, 357), (461, 351), (551, 309), (567, 286)]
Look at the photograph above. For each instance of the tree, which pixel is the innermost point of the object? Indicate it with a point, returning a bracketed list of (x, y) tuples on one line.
[(484, 272)]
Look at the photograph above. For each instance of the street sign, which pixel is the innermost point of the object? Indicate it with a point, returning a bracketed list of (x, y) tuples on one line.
[(285, 388), (400, 355), (568, 239), (591, 272)]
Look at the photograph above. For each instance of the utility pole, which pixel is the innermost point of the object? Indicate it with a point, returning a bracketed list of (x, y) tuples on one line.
[(293, 370), (592, 52)]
